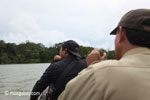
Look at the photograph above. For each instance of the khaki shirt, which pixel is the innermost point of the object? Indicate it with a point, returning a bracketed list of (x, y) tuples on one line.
[(124, 79)]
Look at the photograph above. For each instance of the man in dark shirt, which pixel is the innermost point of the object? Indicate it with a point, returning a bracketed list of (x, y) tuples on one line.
[(68, 54)]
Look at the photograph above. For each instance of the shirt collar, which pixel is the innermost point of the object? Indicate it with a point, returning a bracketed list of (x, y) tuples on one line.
[(136, 51)]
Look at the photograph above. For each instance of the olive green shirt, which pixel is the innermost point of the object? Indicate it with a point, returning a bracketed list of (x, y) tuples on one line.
[(124, 79)]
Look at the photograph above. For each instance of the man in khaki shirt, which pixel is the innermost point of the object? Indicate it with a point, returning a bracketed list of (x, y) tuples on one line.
[(128, 77)]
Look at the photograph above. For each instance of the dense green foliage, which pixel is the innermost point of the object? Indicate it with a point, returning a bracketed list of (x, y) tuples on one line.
[(29, 52)]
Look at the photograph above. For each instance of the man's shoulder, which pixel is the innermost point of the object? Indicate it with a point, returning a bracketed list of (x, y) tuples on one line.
[(82, 62), (57, 64), (61, 63), (106, 64), (103, 65), (106, 68), (113, 70)]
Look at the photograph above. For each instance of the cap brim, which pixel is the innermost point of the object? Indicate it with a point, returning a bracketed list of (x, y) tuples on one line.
[(114, 31), (75, 53)]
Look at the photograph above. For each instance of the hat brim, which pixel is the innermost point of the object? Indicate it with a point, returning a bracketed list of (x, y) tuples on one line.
[(114, 31), (75, 53)]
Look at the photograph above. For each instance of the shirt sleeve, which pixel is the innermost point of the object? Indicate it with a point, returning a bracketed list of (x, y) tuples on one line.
[(43, 82), (81, 87)]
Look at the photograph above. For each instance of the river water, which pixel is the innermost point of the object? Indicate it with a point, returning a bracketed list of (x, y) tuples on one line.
[(17, 80)]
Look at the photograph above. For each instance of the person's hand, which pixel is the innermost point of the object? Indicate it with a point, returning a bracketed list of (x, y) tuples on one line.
[(57, 58), (95, 56)]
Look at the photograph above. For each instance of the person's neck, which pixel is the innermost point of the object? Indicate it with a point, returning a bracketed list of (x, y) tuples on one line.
[(127, 48)]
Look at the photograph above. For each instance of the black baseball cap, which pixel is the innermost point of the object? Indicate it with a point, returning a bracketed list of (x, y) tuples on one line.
[(72, 47), (135, 19)]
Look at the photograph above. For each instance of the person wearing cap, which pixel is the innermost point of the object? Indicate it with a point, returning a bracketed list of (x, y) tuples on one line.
[(68, 55), (128, 77)]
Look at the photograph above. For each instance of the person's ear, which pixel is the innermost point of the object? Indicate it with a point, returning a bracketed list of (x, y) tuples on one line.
[(121, 36), (66, 52)]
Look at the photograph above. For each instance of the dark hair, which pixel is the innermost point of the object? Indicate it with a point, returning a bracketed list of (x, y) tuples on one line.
[(63, 47), (137, 37)]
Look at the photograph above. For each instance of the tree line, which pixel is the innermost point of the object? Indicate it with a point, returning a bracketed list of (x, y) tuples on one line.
[(29, 52)]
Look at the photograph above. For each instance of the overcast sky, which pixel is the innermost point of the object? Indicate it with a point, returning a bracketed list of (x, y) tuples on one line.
[(89, 22)]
